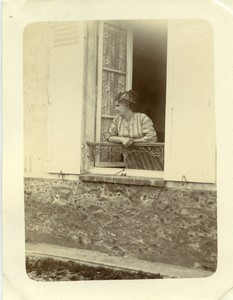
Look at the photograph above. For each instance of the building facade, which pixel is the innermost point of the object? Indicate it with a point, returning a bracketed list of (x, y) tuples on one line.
[(72, 72)]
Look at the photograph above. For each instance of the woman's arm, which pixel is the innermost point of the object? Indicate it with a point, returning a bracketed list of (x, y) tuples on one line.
[(149, 133), (113, 134), (120, 140), (141, 140), (115, 139)]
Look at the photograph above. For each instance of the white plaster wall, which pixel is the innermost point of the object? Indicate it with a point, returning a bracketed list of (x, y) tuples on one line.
[(35, 72)]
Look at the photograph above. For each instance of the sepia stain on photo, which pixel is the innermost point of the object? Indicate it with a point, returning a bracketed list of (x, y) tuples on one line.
[(119, 150)]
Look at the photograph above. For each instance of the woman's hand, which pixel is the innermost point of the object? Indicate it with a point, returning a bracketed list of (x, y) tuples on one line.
[(126, 141)]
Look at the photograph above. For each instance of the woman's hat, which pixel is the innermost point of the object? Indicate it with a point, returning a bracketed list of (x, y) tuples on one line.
[(129, 96)]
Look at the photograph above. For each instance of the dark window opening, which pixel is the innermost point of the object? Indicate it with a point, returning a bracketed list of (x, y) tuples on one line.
[(149, 70)]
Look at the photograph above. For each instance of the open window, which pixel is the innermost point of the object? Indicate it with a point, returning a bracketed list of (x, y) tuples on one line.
[(131, 55), (170, 65)]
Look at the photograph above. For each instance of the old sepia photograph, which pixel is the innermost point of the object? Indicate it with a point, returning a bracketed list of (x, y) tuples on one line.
[(119, 150)]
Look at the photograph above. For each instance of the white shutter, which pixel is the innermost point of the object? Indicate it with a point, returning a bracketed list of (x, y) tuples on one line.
[(190, 122), (65, 97)]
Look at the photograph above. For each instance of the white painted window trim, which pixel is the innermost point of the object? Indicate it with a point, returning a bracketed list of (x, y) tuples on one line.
[(99, 80), (129, 62)]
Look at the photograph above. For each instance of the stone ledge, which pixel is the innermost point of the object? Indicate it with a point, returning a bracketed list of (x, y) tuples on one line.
[(130, 180), (101, 259)]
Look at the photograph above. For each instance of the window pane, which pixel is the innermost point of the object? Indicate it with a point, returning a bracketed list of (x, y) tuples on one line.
[(108, 155), (121, 49), (112, 83), (106, 47), (105, 124), (114, 47)]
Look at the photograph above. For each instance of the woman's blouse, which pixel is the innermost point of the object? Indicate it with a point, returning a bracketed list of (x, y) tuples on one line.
[(140, 125)]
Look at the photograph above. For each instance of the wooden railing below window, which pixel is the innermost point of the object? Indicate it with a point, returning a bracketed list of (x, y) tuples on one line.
[(145, 156)]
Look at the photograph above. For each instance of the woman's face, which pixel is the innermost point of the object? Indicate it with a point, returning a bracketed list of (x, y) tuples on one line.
[(121, 108)]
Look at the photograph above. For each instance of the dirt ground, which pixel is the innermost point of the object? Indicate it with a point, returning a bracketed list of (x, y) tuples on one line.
[(49, 269)]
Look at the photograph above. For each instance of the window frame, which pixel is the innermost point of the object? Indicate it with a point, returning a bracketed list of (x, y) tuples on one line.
[(129, 72), (118, 167)]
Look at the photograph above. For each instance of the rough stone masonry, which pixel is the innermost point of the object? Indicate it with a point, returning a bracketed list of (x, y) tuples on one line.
[(156, 224)]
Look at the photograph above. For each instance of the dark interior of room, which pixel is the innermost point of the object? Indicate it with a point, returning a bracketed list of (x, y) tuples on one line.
[(149, 70)]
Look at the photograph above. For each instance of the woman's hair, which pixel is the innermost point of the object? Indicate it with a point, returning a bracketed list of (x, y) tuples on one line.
[(128, 97)]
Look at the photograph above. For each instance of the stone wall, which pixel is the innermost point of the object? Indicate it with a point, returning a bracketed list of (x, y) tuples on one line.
[(152, 223)]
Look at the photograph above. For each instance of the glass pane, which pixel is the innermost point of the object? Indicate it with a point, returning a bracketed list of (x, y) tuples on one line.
[(105, 103), (114, 57), (107, 154), (121, 50), (112, 84), (105, 125), (106, 47), (114, 47)]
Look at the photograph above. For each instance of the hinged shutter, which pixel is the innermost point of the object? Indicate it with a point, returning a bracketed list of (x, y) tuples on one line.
[(190, 122), (65, 97)]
